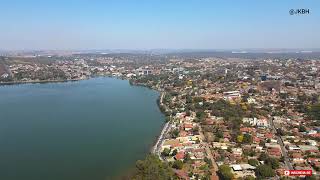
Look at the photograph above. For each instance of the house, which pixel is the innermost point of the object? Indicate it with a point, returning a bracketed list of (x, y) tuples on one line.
[(5, 75), (293, 148), (262, 123), (209, 121), (268, 135), (275, 152), (312, 142), (297, 158), (187, 127), (220, 145), (179, 155), (231, 95), (246, 130), (243, 170), (251, 121), (251, 100), (170, 143), (309, 148), (237, 151)]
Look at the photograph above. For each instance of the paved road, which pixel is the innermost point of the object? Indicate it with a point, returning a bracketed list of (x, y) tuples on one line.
[(166, 129), (157, 148), (208, 151), (283, 149)]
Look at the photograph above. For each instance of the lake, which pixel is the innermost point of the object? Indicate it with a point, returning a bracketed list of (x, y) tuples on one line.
[(84, 130)]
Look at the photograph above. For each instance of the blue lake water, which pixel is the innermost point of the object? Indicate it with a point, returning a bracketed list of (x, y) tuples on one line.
[(85, 130)]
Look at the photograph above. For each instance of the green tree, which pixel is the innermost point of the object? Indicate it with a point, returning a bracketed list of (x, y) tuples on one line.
[(152, 168), (186, 158), (262, 143), (225, 172), (314, 111), (219, 134), (174, 152), (253, 162), (174, 133), (178, 164), (263, 157), (302, 128), (247, 138), (240, 138), (249, 178), (201, 115), (264, 171), (310, 178), (208, 161), (166, 152), (273, 162)]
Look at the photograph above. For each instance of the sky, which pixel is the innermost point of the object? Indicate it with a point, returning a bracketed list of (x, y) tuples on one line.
[(157, 24)]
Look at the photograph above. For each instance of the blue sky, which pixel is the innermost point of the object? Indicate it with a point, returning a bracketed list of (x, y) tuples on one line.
[(148, 24)]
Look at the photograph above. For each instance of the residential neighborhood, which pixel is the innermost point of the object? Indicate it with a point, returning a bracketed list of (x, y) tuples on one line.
[(226, 118)]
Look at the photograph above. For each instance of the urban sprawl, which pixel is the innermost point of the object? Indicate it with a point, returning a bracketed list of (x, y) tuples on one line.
[(226, 117)]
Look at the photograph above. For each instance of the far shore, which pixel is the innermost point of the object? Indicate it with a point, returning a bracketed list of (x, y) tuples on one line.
[(38, 81), (50, 81)]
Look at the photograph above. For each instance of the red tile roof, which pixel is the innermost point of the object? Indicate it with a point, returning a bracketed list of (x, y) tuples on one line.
[(187, 125), (179, 155)]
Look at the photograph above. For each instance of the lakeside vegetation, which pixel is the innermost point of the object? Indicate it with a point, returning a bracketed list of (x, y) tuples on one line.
[(152, 168)]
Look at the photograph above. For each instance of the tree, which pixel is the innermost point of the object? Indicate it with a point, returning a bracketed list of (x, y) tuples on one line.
[(314, 111), (166, 152), (310, 178), (302, 128), (253, 162), (201, 115), (152, 168), (273, 162), (186, 158), (240, 138), (167, 118), (264, 171), (263, 157), (174, 152), (225, 172), (262, 143), (178, 164), (219, 134), (284, 178), (208, 161), (174, 133), (249, 178), (247, 138)]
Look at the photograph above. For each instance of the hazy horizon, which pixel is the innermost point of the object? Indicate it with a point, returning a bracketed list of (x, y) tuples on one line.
[(146, 25)]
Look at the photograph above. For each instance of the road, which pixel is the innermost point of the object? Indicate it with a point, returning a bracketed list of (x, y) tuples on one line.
[(208, 151), (165, 130), (283, 149), (157, 148)]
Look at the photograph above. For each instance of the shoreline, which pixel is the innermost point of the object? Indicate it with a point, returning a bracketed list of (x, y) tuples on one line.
[(40, 81), (155, 149)]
